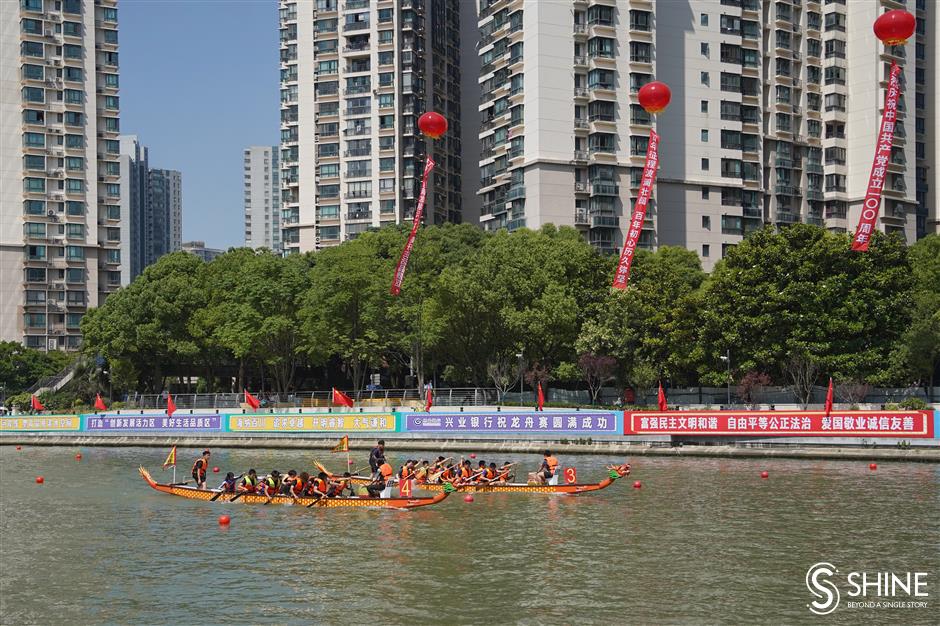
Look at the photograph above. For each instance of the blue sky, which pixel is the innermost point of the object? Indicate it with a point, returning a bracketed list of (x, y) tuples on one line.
[(199, 83)]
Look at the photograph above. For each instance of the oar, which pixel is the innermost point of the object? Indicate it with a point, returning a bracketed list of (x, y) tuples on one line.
[(317, 501)]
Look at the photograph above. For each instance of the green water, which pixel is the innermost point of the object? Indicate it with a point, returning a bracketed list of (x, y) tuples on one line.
[(703, 541)]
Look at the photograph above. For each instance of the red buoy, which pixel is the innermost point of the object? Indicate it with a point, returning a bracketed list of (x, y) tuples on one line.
[(764, 475), (78, 457), (637, 485), (873, 466), (473, 455), (40, 480), (19, 447), (215, 470), (468, 498), (349, 462), (224, 520)]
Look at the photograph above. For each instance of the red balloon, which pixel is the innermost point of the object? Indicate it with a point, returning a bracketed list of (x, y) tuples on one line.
[(654, 96), (764, 475), (40, 480), (432, 124), (895, 27), (224, 520)]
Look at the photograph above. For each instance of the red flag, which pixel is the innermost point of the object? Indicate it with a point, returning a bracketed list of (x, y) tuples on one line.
[(341, 398), (170, 405), (37, 405), (99, 403), (429, 400), (541, 398), (639, 212), (661, 398), (876, 179), (252, 401), (829, 398), (416, 222)]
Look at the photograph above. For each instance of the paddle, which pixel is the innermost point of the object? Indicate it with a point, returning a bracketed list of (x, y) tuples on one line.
[(318, 500), (221, 491)]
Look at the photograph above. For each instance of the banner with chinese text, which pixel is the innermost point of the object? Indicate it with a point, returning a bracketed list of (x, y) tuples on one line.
[(329, 422), (902, 424), (639, 213), (195, 422), (577, 422), (16, 423)]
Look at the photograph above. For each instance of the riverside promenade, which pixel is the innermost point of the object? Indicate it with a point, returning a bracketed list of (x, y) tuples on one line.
[(885, 435)]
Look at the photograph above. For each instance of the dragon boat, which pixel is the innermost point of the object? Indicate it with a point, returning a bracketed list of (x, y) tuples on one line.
[(569, 489), (193, 493)]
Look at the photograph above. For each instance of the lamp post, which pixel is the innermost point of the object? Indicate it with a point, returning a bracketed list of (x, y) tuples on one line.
[(727, 359), (519, 355)]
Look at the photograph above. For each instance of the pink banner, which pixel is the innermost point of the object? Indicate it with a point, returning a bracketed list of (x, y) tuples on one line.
[(639, 212), (872, 204), (419, 211), (902, 424)]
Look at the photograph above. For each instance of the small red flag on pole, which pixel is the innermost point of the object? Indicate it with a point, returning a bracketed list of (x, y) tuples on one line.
[(36, 404), (429, 400), (170, 405), (252, 401), (99, 403), (541, 398), (341, 398), (661, 398), (829, 398)]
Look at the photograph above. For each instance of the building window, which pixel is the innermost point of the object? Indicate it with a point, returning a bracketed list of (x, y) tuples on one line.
[(704, 106), (704, 193), (704, 135), (704, 165), (706, 249), (34, 185), (707, 222), (704, 78), (704, 49), (703, 19), (74, 253), (33, 94)]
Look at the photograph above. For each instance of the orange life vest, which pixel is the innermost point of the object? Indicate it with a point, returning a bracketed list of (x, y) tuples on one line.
[(490, 473), (552, 463), (387, 471), (320, 485), (464, 472)]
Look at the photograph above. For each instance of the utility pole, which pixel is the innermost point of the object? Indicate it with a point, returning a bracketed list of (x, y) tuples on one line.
[(727, 359), (519, 355)]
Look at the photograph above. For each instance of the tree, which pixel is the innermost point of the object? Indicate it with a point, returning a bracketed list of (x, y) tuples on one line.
[(851, 391), (751, 388), (803, 291), (917, 354), (503, 372), (597, 371), (801, 372), (22, 367)]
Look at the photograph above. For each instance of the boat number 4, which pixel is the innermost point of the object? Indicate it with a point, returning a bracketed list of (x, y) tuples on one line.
[(571, 475), (405, 489)]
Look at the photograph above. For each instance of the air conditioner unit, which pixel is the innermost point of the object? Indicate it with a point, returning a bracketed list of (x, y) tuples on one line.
[(57, 62)]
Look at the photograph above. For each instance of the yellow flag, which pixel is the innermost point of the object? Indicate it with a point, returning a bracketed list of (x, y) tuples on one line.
[(170, 458), (343, 445)]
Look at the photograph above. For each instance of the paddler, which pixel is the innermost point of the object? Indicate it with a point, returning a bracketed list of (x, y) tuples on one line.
[(200, 467), (407, 471), (337, 487), (270, 484), (421, 473), (465, 472), (298, 486), (288, 483), (489, 474), (448, 475), (320, 486), (384, 474), (228, 485), (547, 469), (249, 483), (504, 472)]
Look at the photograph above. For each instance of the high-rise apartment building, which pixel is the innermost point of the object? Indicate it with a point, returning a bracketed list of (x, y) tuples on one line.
[(151, 208), (563, 138), (199, 249), (773, 119), (262, 198), (355, 77), (60, 212)]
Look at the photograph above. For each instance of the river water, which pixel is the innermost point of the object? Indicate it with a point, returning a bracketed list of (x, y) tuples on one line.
[(703, 541)]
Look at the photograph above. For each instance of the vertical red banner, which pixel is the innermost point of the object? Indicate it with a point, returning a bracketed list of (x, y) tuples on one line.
[(872, 204), (639, 212), (419, 211)]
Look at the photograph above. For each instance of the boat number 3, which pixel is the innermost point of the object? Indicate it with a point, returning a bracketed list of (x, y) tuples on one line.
[(571, 475)]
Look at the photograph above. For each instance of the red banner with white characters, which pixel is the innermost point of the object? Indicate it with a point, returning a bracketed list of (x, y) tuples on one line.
[(876, 180), (901, 424), (419, 211), (639, 212)]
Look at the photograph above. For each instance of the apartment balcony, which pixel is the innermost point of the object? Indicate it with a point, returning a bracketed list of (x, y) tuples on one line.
[(752, 211), (580, 156), (580, 60), (580, 92), (604, 188), (787, 190), (515, 192), (358, 194), (354, 26), (580, 29), (605, 221), (813, 168), (581, 216), (814, 194), (580, 187), (787, 217), (581, 124), (359, 215)]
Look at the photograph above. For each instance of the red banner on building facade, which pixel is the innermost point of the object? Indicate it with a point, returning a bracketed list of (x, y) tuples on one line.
[(867, 220), (900, 424), (639, 212), (419, 211)]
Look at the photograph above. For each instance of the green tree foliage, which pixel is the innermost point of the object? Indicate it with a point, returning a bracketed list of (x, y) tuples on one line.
[(21, 367), (801, 294), (472, 301)]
